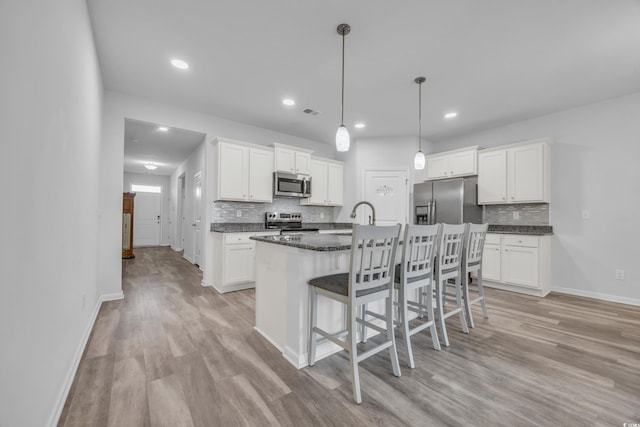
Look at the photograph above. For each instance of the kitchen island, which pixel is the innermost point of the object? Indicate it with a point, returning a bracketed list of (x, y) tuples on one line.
[(284, 265)]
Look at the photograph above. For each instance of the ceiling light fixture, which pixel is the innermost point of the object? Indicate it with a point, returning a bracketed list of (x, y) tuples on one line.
[(288, 102), (150, 166), (359, 125), (451, 115), (179, 63), (419, 160), (342, 135), (163, 129)]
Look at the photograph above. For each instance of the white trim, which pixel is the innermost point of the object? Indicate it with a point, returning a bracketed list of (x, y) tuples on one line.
[(177, 249), (597, 295), (71, 374), (265, 336), (230, 288), (187, 258)]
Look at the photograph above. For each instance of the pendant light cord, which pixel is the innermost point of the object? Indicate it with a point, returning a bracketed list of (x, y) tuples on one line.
[(342, 105), (420, 117)]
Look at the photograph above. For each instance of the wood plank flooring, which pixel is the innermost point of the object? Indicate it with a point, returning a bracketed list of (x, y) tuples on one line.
[(173, 353)]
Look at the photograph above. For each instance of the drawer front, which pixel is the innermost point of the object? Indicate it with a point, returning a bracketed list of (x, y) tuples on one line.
[(237, 238), (492, 239), (520, 240)]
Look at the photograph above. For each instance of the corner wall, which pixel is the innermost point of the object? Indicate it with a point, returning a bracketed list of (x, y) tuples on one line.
[(50, 112), (594, 166)]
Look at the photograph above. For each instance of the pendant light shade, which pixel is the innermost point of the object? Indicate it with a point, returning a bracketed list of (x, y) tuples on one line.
[(343, 140), (419, 160)]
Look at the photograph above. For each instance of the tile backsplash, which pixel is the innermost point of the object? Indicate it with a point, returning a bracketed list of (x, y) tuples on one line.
[(532, 214), (254, 212)]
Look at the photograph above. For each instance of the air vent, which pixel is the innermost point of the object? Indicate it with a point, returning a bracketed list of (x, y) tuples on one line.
[(311, 111)]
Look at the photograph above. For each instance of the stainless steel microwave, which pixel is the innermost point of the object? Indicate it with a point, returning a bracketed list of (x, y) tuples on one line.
[(291, 185)]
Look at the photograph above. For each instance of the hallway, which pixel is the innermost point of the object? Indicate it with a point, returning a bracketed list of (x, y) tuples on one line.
[(174, 353)]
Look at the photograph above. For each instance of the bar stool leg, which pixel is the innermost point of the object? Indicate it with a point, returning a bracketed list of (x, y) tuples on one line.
[(404, 322), (393, 350), (363, 337), (467, 299), (463, 321), (353, 354), (443, 327), (431, 317)]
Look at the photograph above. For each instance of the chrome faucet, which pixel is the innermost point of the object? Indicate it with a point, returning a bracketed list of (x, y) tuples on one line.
[(372, 217)]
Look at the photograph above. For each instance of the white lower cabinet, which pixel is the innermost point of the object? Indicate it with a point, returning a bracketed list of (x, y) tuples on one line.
[(518, 263), (235, 260)]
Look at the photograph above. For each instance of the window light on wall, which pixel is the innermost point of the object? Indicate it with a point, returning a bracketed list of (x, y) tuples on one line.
[(136, 188)]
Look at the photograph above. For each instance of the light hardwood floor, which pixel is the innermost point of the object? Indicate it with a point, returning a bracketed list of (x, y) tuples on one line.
[(173, 353)]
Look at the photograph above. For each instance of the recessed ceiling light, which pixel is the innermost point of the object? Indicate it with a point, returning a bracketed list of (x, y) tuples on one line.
[(288, 102), (359, 125), (163, 129), (451, 115), (150, 166), (179, 63)]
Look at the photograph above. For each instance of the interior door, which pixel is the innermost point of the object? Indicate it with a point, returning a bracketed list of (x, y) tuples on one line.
[(388, 191), (197, 217), (146, 221)]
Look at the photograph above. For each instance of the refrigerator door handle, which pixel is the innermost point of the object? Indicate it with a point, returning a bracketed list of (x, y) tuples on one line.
[(432, 214)]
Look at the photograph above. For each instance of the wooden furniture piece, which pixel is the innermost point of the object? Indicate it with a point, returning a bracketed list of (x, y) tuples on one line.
[(127, 225), (472, 263), (413, 274), (370, 278), (448, 263)]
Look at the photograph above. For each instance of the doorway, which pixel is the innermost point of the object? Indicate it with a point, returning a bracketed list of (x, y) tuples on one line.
[(146, 221), (197, 217), (388, 192)]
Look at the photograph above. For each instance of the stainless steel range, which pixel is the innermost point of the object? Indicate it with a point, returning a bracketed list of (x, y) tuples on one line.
[(289, 223)]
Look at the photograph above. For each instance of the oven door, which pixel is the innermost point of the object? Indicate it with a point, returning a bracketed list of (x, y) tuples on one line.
[(291, 185)]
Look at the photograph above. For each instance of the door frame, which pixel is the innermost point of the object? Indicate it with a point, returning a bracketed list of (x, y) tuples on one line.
[(178, 244), (197, 236), (408, 175)]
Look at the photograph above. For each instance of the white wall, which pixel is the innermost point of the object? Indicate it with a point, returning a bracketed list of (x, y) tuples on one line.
[(594, 166), (50, 111), (166, 223), (376, 153), (117, 107)]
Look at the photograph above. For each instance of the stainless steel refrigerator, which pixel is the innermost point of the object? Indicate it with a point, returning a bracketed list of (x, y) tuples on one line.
[(451, 201)]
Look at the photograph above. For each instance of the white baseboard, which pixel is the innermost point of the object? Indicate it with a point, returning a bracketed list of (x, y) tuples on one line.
[(597, 295), (176, 249), (71, 374), (187, 258), (231, 288)]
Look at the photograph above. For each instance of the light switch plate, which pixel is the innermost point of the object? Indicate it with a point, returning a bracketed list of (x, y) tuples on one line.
[(238, 213)]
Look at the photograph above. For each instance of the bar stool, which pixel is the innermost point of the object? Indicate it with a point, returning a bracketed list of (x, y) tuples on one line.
[(370, 278), (472, 261), (448, 263), (415, 273)]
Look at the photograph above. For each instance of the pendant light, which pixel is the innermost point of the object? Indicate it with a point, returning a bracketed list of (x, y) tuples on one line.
[(342, 135), (419, 160)]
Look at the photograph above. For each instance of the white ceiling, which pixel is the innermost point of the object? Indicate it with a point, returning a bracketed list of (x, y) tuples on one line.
[(494, 61), (145, 143)]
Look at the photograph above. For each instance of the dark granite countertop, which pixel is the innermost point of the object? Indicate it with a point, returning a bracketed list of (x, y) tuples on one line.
[(534, 230), (246, 227), (312, 242)]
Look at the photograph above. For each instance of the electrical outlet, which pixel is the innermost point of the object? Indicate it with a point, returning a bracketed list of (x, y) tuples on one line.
[(84, 300), (619, 274), (586, 214), (238, 213), (516, 215)]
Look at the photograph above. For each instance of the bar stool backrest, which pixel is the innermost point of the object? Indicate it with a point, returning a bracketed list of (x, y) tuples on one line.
[(373, 252), (418, 250), (450, 250), (474, 245)]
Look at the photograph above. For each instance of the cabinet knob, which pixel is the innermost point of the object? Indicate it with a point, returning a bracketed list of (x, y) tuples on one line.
[(511, 197), (251, 196), (504, 198), (451, 172)]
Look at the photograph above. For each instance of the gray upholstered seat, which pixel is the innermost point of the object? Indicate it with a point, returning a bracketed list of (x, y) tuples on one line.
[(339, 284)]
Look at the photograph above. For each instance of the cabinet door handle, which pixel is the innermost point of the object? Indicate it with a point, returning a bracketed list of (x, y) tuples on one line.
[(504, 198), (451, 172)]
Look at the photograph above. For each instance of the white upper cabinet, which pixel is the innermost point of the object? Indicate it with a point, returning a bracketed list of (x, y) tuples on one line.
[(292, 159), (244, 172), (516, 174), (492, 177), (452, 164), (327, 183)]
